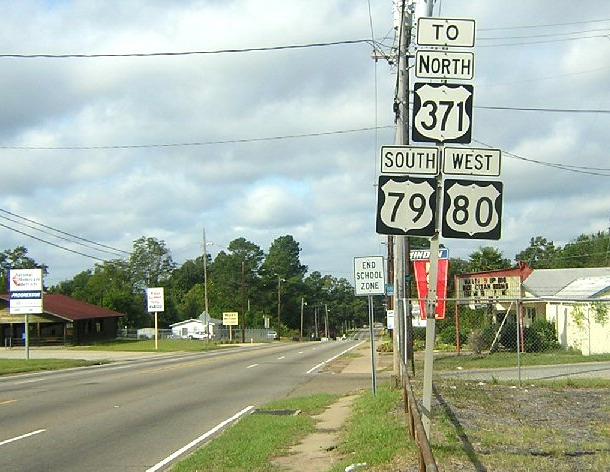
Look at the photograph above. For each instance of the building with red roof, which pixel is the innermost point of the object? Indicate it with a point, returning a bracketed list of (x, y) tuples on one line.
[(65, 321)]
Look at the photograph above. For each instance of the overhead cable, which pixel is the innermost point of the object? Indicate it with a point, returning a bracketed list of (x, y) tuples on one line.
[(53, 244), (183, 53), (64, 233), (497, 28)]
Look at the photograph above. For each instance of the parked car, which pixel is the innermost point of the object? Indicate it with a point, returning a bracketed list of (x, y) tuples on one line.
[(199, 335), (271, 334)]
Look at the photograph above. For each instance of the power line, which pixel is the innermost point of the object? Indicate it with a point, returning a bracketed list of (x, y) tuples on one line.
[(64, 233), (546, 110), (184, 53), (527, 43), (53, 244), (194, 143), (544, 35), (57, 236), (545, 25)]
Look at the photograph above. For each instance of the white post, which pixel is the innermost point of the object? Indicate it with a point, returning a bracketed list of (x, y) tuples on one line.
[(372, 334), (27, 337), (156, 333), (205, 282)]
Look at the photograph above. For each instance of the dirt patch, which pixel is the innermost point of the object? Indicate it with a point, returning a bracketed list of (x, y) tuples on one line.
[(317, 450), (485, 426)]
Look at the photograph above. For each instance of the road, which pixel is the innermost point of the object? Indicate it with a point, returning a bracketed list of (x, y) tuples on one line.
[(134, 415), (549, 372)]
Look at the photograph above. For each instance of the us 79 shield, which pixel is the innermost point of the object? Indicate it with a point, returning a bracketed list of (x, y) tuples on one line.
[(406, 205)]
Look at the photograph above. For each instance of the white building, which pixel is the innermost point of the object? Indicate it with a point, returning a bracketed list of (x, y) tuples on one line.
[(187, 328)]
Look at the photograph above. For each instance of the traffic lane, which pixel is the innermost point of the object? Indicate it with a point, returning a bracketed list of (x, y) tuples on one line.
[(180, 403), (551, 372)]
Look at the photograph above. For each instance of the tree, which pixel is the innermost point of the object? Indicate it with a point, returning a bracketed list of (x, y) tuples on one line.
[(588, 250), (486, 259), (540, 254), (283, 258), (150, 263), (17, 259)]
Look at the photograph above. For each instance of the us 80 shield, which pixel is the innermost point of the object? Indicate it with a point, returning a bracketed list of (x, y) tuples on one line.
[(406, 205), (472, 209)]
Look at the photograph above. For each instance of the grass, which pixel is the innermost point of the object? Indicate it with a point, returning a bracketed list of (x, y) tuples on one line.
[(250, 445), (17, 366), (509, 359), (376, 432), (165, 345)]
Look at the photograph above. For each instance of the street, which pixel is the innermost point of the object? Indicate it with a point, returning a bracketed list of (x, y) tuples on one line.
[(133, 416)]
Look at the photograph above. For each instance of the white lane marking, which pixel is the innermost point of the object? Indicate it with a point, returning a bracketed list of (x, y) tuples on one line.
[(332, 358), (281, 357), (300, 352), (201, 438), (6, 402), (23, 436), (29, 381), (252, 365)]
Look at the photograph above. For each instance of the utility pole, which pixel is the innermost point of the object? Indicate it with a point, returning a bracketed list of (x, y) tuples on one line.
[(302, 304), (279, 301), (402, 26), (326, 321), (243, 297), (205, 283)]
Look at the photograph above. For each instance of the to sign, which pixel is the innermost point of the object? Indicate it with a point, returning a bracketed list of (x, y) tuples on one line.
[(442, 113), (432, 64), (406, 205), (467, 161), (472, 209), (409, 160), (230, 318), (155, 299), (369, 276), (445, 32)]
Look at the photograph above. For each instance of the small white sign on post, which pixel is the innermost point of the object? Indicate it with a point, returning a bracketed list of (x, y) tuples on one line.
[(390, 319), (156, 300), (369, 275)]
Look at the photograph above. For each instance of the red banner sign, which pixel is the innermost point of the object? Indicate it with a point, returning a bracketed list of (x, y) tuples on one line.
[(422, 270)]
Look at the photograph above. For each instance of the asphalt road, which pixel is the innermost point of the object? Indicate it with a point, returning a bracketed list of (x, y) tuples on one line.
[(134, 415)]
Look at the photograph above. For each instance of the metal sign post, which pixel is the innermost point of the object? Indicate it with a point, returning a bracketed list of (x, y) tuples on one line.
[(369, 279), (372, 334), (155, 298)]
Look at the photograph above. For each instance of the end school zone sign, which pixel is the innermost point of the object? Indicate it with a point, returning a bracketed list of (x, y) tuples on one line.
[(369, 275)]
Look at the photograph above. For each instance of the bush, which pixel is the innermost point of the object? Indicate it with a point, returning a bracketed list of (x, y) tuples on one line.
[(447, 336), (476, 341), (419, 334), (541, 336)]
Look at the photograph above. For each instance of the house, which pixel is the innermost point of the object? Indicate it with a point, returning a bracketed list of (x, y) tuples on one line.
[(64, 320), (188, 328), (575, 300)]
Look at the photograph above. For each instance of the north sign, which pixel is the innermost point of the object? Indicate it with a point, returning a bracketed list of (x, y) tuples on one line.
[(442, 113), (445, 32), (406, 205), (472, 209), (469, 161), (409, 160), (433, 64)]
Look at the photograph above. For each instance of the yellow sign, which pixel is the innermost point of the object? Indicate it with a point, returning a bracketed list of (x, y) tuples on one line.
[(230, 318)]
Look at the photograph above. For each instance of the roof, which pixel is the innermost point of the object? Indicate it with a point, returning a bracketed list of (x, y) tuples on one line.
[(71, 309), (549, 282), (585, 287), (180, 323)]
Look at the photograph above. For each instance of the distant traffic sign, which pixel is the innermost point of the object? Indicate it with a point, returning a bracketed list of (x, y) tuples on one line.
[(409, 160), (469, 161), (472, 209), (369, 275), (406, 205), (442, 113), (433, 64), (230, 318), (445, 32)]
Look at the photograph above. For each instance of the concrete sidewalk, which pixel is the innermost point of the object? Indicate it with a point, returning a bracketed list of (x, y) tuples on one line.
[(85, 354)]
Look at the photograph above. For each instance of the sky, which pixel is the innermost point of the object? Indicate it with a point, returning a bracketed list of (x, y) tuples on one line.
[(320, 189)]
